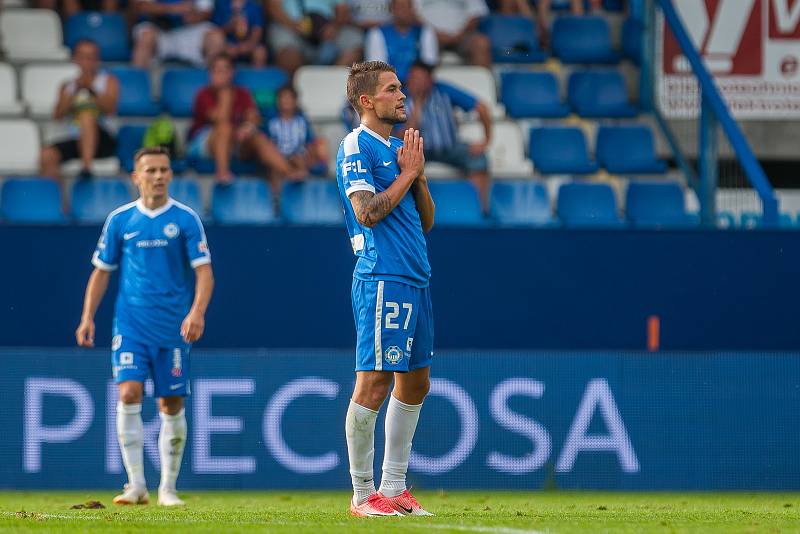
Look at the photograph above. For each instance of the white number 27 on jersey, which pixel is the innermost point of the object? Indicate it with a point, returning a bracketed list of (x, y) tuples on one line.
[(393, 312)]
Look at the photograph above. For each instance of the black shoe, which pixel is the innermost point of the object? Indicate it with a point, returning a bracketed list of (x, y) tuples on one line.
[(85, 174)]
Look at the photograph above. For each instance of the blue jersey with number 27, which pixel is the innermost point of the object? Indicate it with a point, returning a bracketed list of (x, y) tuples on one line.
[(395, 248)]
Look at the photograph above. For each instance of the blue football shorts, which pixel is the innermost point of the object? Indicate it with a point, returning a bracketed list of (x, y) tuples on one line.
[(394, 326), (168, 367)]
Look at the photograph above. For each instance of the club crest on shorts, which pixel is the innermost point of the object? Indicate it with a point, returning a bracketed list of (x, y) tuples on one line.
[(393, 354), (116, 342), (171, 230)]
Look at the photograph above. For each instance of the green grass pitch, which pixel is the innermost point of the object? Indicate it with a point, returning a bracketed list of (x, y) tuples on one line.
[(477, 511)]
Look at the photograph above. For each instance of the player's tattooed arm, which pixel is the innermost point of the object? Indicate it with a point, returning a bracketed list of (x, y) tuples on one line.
[(370, 208)]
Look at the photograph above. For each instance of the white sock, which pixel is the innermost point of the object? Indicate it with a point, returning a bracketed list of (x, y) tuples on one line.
[(171, 441), (359, 427), (401, 422), (130, 433)]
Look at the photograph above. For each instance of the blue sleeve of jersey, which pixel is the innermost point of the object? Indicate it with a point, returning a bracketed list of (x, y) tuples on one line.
[(195, 241), (356, 166), (459, 98), (109, 247)]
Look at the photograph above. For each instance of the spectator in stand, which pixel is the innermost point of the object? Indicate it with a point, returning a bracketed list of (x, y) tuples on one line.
[(67, 8), (292, 134), (175, 30), (543, 12), (243, 24), (86, 101), (430, 107), (312, 31), (226, 121), (368, 14), (402, 42), (456, 25)]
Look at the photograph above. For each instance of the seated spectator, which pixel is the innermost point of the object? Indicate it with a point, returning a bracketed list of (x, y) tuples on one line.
[(175, 30), (456, 25), (225, 121), (312, 32), (86, 101), (543, 12), (431, 110), (368, 14), (243, 24), (292, 134), (403, 41)]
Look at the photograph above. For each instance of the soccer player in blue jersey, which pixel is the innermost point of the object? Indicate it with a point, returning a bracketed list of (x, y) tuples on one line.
[(155, 242), (388, 207)]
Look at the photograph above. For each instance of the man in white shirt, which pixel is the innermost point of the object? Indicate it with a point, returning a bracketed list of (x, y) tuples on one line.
[(456, 25)]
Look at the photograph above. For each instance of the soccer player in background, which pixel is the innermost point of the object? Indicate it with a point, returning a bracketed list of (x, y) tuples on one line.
[(388, 207), (156, 242)]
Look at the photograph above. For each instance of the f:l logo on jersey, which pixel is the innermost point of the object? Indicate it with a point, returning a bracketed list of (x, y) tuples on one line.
[(355, 166)]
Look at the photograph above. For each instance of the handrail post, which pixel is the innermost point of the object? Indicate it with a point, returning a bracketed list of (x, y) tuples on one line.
[(707, 152)]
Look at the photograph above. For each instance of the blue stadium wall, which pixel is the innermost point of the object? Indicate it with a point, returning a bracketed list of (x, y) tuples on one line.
[(492, 288)]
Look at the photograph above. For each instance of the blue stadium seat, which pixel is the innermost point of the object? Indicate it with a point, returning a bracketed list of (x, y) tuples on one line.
[(245, 201), (513, 39), (311, 202), (657, 205), (598, 93), (531, 94), (457, 203), (587, 204), (582, 39), (262, 83), (560, 150), (108, 30), (632, 30), (750, 220), (628, 150), (238, 166), (520, 202), (31, 200), (135, 97), (178, 89), (129, 140), (93, 200), (187, 191), (614, 5)]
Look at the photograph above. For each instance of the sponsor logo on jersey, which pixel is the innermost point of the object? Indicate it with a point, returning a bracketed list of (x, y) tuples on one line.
[(171, 230), (393, 354), (116, 342), (152, 243), (354, 166)]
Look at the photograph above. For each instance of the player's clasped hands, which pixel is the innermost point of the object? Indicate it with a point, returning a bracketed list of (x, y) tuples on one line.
[(411, 156)]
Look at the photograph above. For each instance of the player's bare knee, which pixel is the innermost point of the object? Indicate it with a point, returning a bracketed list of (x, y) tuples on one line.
[(170, 405), (130, 393)]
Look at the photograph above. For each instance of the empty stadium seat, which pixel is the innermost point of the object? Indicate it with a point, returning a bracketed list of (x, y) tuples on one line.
[(129, 140), (587, 204), (187, 191), (632, 30), (321, 90), (478, 81), (599, 94), (108, 30), (262, 83), (514, 39), (560, 150), (457, 203), (657, 205), (520, 202), (20, 146), (9, 104), (244, 201), (179, 88), (41, 83), (506, 152), (32, 35), (583, 39), (135, 96), (628, 150), (238, 166), (31, 200), (311, 202), (93, 200), (531, 94)]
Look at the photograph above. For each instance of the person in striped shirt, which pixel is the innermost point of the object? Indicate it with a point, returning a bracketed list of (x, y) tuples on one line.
[(292, 134)]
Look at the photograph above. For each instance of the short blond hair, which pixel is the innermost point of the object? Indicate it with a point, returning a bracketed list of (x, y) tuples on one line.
[(363, 80)]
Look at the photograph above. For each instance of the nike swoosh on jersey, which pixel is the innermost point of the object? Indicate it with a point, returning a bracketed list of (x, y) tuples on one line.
[(130, 235), (387, 163), (175, 386)]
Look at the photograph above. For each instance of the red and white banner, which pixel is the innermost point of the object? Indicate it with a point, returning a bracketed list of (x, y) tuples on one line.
[(751, 47)]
